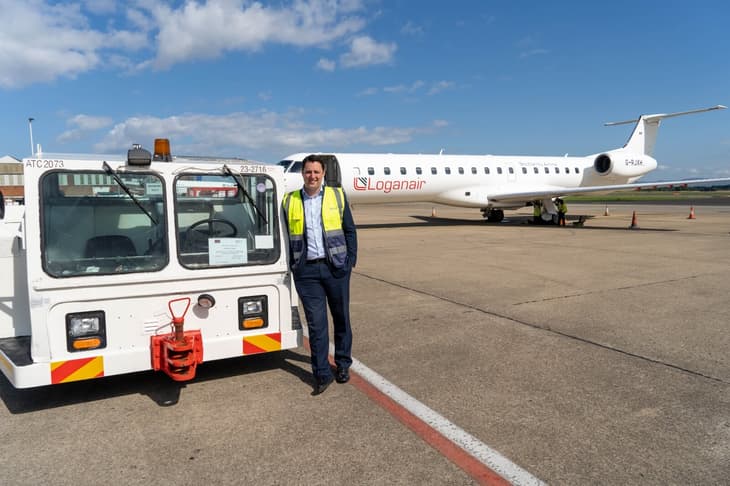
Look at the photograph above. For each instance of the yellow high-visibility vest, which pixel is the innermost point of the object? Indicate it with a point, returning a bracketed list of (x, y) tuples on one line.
[(332, 211)]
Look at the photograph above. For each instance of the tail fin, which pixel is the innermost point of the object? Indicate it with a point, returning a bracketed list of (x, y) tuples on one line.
[(643, 137)]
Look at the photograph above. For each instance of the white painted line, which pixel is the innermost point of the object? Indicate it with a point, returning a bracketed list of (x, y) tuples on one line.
[(470, 444)]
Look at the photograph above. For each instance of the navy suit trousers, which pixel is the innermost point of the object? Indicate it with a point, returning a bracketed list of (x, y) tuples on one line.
[(317, 289)]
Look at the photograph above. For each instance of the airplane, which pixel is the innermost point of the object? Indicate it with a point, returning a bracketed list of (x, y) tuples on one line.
[(494, 183)]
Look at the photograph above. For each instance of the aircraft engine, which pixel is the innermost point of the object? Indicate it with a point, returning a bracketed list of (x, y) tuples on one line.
[(623, 164)]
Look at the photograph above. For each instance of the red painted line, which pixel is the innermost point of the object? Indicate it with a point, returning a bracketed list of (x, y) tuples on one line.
[(474, 468), (468, 463)]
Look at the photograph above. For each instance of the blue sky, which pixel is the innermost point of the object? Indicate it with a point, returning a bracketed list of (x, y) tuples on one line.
[(265, 79)]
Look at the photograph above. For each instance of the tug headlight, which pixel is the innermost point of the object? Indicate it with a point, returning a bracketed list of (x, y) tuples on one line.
[(253, 312), (85, 330)]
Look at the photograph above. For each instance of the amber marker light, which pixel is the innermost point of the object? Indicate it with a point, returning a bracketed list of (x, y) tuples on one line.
[(88, 343), (253, 323)]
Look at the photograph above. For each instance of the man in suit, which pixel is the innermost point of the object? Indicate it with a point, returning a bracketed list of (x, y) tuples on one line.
[(322, 253)]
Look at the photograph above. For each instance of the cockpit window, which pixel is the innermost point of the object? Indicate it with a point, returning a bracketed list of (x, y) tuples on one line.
[(291, 167), (91, 226)]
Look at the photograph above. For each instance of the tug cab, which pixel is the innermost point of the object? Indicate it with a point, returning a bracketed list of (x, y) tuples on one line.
[(124, 264)]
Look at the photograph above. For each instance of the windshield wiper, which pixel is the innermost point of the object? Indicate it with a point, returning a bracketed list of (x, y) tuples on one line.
[(126, 189), (227, 170)]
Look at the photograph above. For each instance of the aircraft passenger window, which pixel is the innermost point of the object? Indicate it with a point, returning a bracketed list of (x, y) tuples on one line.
[(577, 171), (524, 170), (386, 171), (547, 170), (473, 170), (536, 171), (567, 170), (418, 171), (511, 170), (461, 170), (403, 170), (447, 170), (557, 170), (499, 170), (433, 170), (486, 170), (371, 171)]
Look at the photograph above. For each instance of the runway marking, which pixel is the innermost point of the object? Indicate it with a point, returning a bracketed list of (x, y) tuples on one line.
[(481, 462)]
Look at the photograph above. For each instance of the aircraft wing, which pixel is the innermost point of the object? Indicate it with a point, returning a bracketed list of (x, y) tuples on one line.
[(556, 191)]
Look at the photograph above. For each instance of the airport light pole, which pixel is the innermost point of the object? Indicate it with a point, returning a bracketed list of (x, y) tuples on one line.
[(30, 127)]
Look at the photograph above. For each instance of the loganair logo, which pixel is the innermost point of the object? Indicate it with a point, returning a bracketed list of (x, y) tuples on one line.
[(366, 184)]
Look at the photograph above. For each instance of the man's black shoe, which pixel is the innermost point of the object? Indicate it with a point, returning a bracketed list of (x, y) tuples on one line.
[(343, 375), (322, 385)]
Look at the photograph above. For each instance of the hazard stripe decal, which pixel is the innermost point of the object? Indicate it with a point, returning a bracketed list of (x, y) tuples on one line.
[(77, 369), (263, 343)]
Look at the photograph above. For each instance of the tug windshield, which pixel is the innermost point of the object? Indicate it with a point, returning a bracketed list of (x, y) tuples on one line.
[(91, 226), (224, 221)]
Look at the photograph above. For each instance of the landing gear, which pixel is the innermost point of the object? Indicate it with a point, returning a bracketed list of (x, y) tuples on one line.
[(493, 215)]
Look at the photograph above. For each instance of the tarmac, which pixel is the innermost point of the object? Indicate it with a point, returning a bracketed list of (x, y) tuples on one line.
[(583, 355)]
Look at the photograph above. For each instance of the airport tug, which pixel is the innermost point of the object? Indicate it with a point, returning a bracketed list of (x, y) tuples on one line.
[(151, 262)]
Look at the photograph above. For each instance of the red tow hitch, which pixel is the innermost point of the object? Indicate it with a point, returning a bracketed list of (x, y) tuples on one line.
[(179, 352)]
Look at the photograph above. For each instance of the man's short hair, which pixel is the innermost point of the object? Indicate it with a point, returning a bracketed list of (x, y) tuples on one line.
[(313, 158)]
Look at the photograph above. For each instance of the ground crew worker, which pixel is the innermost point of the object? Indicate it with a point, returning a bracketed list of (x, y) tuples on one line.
[(562, 209), (536, 212), (322, 253)]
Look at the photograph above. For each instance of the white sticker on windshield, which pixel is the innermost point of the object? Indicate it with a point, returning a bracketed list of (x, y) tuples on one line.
[(264, 242), (227, 251)]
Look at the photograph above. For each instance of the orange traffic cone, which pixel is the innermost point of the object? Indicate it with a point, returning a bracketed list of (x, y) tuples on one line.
[(691, 213), (633, 222), (605, 213)]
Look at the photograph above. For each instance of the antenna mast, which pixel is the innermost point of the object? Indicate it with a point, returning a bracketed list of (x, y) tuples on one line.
[(30, 127)]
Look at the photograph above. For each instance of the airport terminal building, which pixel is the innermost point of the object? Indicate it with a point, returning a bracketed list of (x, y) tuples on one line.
[(11, 178)]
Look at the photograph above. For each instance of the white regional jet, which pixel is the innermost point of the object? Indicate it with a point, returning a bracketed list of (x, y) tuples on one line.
[(493, 183)]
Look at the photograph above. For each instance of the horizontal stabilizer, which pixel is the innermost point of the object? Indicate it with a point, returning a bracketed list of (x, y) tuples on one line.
[(660, 116)]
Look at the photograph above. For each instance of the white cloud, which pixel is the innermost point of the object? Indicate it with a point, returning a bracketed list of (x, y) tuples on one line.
[(100, 7), (368, 92), (326, 65), (533, 52), (44, 42), (83, 124), (365, 51), (411, 29), (206, 31), (529, 47), (244, 133), (440, 86), (414, 87), (402, 88)]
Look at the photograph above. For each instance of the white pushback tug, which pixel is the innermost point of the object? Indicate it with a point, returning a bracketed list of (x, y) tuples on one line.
[(121, 265)]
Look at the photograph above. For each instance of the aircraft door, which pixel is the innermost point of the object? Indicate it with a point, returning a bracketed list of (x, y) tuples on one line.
[(333, 175)]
